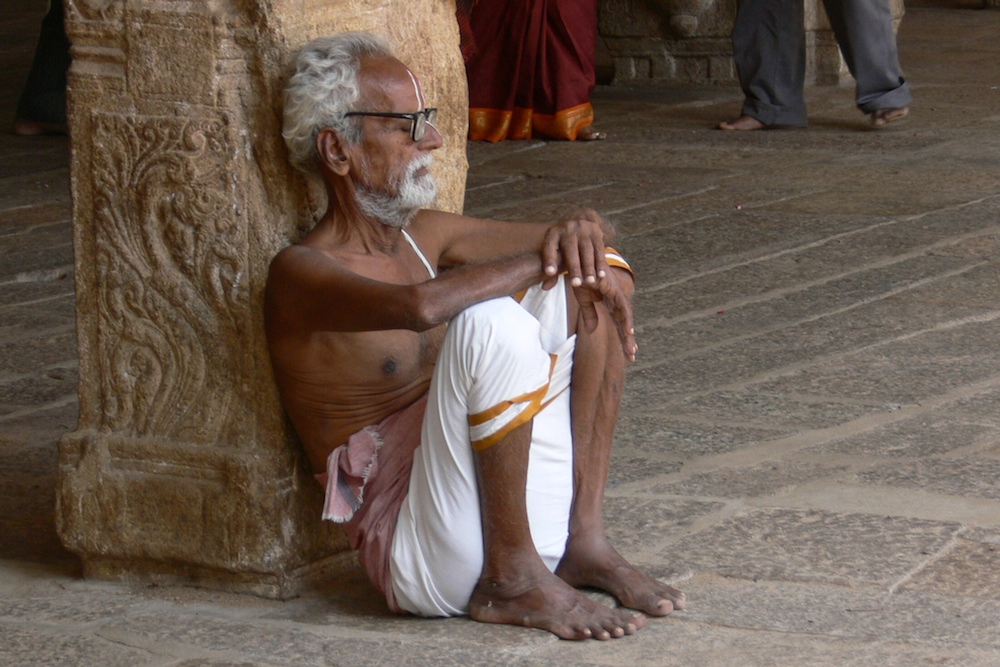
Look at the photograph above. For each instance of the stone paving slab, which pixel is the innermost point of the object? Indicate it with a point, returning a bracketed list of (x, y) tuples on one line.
[(921, 619), (52, 385), (957, 477), (781, 413), (42, 188), (931, 434), (848, 495), (829, 296), (812, 546), (30, 647), (50, 312), (673, 439), (21, 156), (970, 570), (686, 643), (763, 479), (40, 351), (903, 372), (15, 219)]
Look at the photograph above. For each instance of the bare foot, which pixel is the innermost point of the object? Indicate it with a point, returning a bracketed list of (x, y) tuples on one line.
[(881, 117), (742, 124), (590, 134), (597, 564), (33, 128), (539, 599)]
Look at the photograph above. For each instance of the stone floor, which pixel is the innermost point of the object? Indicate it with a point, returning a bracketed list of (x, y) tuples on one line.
[(810, 443)]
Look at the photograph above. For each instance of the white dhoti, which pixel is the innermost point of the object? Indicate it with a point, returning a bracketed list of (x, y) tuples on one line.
[(502, 363)]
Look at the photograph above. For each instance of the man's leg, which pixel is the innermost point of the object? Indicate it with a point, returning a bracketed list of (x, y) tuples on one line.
[(516, 587), (769, 50), (590, 559), (455, 535), (864, 31)]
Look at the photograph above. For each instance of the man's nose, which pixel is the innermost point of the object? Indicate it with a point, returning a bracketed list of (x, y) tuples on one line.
[(432, 139)]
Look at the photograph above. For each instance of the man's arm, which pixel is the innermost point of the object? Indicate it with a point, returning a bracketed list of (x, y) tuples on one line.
[(308, 291), (574, 244)]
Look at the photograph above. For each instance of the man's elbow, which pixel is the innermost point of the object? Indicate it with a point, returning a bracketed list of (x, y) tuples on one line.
[(423, 311)]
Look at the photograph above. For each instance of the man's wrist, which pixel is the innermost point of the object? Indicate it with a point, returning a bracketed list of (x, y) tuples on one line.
[(616, 260)]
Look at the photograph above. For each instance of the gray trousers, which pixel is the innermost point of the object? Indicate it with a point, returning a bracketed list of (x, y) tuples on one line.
[(769, 47)]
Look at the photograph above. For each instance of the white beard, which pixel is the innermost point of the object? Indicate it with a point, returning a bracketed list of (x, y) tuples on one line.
[(412, 195)]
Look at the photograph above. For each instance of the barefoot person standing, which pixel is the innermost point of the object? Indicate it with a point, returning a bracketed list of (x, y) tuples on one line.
[(770, 52)]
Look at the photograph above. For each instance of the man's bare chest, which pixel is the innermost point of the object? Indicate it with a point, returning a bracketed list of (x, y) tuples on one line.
[(378, 359)]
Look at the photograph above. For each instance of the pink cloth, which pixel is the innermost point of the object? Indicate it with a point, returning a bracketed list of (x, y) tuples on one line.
[(366, 481)]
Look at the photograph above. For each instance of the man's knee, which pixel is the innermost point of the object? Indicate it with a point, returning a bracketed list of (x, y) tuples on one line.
[(497, 323), (500, 342)]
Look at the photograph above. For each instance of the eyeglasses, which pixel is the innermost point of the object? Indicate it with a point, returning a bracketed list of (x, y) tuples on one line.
[(419, 120)]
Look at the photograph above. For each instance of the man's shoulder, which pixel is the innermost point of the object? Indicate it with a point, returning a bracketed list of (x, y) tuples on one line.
[(308, 250), (290, 256), (432, 215), (293, 263), (434, 224)]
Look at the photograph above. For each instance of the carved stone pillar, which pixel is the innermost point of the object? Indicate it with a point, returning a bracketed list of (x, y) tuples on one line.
[(183, 466)]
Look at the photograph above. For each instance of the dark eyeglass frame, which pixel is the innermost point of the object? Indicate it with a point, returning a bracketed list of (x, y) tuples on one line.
[(419, 120)]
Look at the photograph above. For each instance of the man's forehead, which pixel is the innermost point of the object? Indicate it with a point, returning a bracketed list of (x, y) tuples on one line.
[(387, 80)]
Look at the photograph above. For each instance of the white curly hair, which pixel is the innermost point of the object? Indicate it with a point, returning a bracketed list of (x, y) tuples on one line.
[(323, 88)]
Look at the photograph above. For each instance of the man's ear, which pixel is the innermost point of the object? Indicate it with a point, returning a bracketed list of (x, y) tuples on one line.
[(330, 149)]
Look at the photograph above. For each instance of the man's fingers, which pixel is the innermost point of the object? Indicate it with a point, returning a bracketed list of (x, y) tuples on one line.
[(550, 253), (620, 307), (575, 245), (629, 347), (571, 260), (588, 270), (623, 318), (600, 263)]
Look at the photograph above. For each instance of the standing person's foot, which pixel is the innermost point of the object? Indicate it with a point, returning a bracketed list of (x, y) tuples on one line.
[(742, 124), (590, 134), (881, 117), (34, 128)]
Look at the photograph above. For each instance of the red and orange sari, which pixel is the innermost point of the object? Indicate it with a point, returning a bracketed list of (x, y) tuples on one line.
[(530, 65)]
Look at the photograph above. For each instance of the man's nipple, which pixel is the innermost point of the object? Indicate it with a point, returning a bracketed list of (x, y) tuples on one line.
[(389, 367)]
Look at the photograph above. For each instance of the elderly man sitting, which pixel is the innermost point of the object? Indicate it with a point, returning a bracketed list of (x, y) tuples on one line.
[(455, 381)]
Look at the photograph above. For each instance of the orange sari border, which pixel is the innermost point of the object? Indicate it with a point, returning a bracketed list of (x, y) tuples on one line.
[(497, 124)]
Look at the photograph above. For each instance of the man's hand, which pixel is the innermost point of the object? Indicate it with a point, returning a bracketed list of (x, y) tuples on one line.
[(614, 290), (576, 245)]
